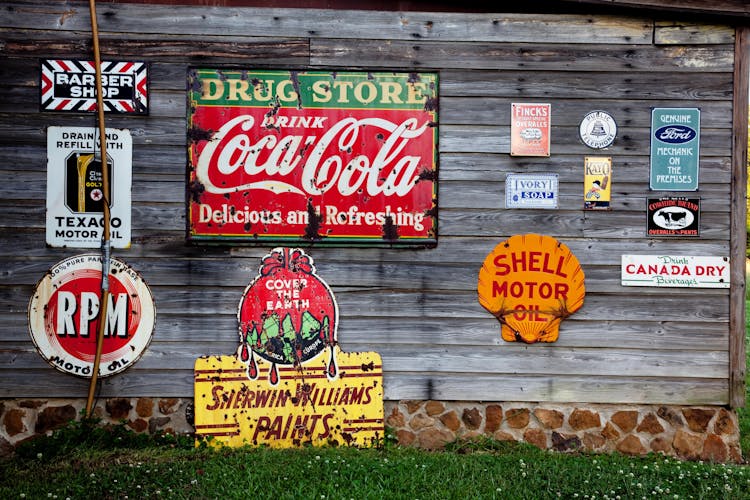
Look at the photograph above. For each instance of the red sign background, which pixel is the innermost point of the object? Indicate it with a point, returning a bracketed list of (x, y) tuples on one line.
[(317, 174)]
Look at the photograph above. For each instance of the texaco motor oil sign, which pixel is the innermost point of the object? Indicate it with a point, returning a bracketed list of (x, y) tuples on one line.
[(289, 384), (64, 316), (331, 157), (75, 190)]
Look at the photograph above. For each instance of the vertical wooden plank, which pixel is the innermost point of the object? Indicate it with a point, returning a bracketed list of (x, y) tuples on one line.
[(738, 234)]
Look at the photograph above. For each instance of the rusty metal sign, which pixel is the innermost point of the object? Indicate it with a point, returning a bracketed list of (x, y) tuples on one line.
[(312, 156), (530, 129), (289, 384), (673, 216), (680, 271), (70, 85), (64, 316), (530, 283), (597, 184)]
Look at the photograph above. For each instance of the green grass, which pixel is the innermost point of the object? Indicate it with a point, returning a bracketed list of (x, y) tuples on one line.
[(86, 461)]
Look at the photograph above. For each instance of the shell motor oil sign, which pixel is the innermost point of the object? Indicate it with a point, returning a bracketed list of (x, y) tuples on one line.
[(530, 283), (288, 383), (330, 157), (64, 316)]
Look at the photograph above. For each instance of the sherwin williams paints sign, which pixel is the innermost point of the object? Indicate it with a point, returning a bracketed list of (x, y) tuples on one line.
[(326, 157), (289, 384), (675, 144)]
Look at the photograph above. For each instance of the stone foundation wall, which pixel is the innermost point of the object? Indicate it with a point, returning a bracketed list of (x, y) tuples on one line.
[(21, 419), (692, 433)]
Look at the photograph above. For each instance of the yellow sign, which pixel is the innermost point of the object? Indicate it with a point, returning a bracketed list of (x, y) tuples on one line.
[(597, 185), (304, 407), (530, 283)]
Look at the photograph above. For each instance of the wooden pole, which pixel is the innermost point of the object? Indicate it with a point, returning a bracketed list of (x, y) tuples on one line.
[(105, 236)]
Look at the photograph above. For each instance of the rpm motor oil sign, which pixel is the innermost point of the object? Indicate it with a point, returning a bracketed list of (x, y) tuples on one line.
[(288, 383), (330, 157), (64, 316)]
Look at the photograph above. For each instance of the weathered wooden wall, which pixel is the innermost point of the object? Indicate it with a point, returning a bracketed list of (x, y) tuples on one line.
[(418, 308)]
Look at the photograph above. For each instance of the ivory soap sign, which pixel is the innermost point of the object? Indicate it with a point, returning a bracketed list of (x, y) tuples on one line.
[(289, 383), (75, 188), (675, 271), (312, 156)]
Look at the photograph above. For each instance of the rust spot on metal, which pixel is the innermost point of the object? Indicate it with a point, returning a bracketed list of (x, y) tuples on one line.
[(431, 104), (196, 190), (366, 367), (196, 134), (313, 223), (294, 77), (426, 175), (390, 230)]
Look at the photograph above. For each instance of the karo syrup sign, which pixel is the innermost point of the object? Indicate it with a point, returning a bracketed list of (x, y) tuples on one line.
[(312, 156), (288, 383), (64, 316), (70, 85)]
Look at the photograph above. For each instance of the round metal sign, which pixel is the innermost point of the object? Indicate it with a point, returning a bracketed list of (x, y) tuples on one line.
[(64, 316), (598, 129)]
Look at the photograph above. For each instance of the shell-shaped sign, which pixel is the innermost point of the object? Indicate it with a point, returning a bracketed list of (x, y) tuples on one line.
[(530, 283)]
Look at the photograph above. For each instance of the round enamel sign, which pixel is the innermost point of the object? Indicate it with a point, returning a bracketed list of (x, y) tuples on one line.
[(598, 129), (64, 316)]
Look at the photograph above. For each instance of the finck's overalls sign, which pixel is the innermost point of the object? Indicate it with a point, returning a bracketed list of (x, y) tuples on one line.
[(331, 157)]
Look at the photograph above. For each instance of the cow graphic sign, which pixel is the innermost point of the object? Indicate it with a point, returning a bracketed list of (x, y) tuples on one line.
[(673, 216), (311, 156), (289, 383)]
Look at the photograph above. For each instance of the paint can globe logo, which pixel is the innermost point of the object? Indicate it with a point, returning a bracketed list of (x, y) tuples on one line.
[(287, 316)]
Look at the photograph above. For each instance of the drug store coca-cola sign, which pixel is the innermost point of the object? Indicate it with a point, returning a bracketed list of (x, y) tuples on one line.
[(325, 157)]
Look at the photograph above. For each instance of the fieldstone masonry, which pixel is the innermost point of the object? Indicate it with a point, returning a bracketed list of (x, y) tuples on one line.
[(690, 433)]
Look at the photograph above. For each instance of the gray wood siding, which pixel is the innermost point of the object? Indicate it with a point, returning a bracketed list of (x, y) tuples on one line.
[(417, 308)]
